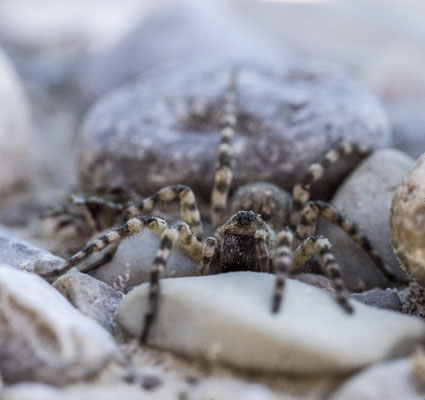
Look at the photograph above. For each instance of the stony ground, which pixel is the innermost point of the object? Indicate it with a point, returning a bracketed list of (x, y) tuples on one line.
[(132, 99)]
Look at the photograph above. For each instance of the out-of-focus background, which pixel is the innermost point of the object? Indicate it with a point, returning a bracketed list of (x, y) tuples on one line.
[(75, 51)]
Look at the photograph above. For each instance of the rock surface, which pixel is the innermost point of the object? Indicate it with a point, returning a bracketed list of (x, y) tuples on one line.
[(14, 129), (43, 337), (92, 297), (20, 254), (389, 381), (407, 221), (379, 298), (165, 131), (365, 199), (310, 335)]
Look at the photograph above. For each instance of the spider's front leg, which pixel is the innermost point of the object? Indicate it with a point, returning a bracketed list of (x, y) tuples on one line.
[(113, 237), (178, 231)]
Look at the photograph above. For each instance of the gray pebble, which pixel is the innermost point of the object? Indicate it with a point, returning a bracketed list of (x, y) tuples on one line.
[(92, 297), (379, 298)]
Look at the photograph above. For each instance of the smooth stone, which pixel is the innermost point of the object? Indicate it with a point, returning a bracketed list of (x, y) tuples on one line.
[(365, 199), (310, 335), (43, 337), (390, 381), (15, 129), (191, 33), (133, 262), (407, 221), (92, 297), (165, 131), (23, 255)]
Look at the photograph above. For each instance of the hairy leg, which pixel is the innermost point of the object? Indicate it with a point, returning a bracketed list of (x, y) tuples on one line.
[(307, 227), (321, 246), (282, 265), (179, 231), (113, 237), (301, 191), (223, 174)]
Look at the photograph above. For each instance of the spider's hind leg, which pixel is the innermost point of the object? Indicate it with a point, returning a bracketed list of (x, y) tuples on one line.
[(307, 227), (321, 246)]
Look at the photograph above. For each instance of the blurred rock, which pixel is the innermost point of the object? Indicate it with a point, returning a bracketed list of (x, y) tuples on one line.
[(407, 221), (92, 297), (43, 337), (391, 380), (22, 255), (165, 131), (284, 342), (15, 129), (175, 35), (365, 199)]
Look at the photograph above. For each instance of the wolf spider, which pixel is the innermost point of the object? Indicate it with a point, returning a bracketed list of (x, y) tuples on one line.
[(246, 241)]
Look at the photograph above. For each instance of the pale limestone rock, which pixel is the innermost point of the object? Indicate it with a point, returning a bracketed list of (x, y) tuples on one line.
[(226, 318), (43, 338), (407, 221)]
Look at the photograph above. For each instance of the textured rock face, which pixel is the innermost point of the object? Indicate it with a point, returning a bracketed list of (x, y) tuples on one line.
[(14, 129), (226, 318), (166, 130), (407, 221), (43, 337), (365, 199)]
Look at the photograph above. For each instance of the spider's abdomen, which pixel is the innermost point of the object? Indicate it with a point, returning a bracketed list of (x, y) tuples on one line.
[(238, 253)]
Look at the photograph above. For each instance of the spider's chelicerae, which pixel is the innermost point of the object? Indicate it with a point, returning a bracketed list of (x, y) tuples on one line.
[(246, 241)]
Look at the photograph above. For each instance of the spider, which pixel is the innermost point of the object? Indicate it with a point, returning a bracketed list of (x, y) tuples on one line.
[(246, 241)]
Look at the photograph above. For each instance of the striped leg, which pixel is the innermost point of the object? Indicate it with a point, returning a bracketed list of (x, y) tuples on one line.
[(180, 230), (223, 174), (209, 250), (301, 191), (282, 265), (307, 227), (113, 237), (184, 194), (321, 246)]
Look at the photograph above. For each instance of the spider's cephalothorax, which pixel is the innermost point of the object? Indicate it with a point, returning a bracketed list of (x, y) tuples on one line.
[(245, 242)]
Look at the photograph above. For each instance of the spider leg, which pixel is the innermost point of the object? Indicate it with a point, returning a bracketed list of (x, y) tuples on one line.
[(261, 250), (107, 257), (113, 237), (178, 231), (223, 174), (184, 194), (321, 246), (282, 265), (301, 191), (307, 227), (208, 252)]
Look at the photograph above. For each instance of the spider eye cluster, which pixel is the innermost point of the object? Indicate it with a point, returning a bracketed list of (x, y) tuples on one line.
[(245, 218)]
